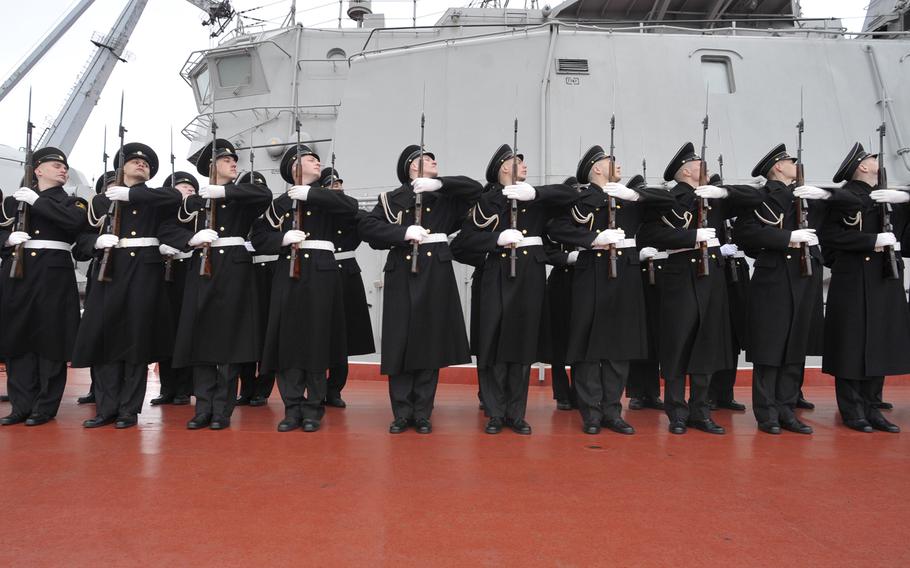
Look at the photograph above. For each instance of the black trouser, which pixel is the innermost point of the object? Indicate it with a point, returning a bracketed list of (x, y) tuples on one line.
[(504, 387), (563, 384), (215, 387), (879, 388), (675, 398), (338, 377), (253, 385), (412, 394), (302, 392), (856, 397), (774, 392), (599, 386), (91, 385), (721, 388), (120, 388), (644, 379), (175, 382), (35, 384)]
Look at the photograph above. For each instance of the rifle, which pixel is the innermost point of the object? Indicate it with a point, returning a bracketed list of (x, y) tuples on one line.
[(104, 155), (802, 206), (332, 175), (17, 270), (652, 273), (611, 203), (703, 207), (169, 259), (732, 272), (205, 260), (112, 222), (418, 199), (513, 210), (296, 210), (892, 271)]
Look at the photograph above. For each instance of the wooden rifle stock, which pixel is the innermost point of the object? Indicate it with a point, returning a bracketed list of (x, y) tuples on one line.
[(702, 222), (802, 216), (892, 269), (513, 205), (17, 270), (418, 200)]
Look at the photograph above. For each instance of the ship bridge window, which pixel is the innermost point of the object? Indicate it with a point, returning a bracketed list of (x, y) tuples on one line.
[(718, 74), (203, 84), (235, 70)]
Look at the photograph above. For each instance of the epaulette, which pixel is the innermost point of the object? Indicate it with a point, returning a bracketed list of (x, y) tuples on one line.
[(393, 219), (777, 220), (184, 215), (492, 219), (587, 220), (7, 220)]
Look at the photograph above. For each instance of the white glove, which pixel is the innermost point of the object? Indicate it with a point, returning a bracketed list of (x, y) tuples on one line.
[(422, 185), (646, 252), (620, 191), (118, 193), (879, 196), (293, 237), (802, 236), (608, 237), (212, 192), (205, 236), (416, 233), (885, 240), (166, 250), (25, 194), (106, 241), (299, 192), (811, 192), (509, 237), (572, 258), (705, 234), (521, 191), (710, 192), (728, 249), (16, 238)]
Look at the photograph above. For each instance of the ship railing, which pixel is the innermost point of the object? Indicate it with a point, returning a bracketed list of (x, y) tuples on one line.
[(261, 115), (504, 29)]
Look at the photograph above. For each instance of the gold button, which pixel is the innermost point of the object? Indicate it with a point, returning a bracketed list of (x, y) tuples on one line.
[(309, 213), (339, 231), (135, 212), (287, 214), (223, 205), (37, 231), (524, 252), (789, 257), (407, 210), (524, 231), (220, 228), (503, 255), (524, 210), (619, 252), (307, 255), (338, 249), (133, 233), (868, 259), (34, 253), (407, 257), (713, 256), (600, 254), (692, 259), (643, 269), (659, 267), (596, 230), (132, 254), (428, 209), (339, 266), (287, 257), (597, 208), (429, 253), (221, 251), (262, 264)]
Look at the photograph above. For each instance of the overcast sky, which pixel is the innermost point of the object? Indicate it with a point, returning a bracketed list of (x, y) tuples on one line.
[(157, 98)]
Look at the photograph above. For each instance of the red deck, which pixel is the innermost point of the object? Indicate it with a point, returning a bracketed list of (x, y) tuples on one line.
[(352, 494)]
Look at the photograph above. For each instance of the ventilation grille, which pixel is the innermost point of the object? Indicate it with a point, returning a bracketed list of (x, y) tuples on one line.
[(572, 66)]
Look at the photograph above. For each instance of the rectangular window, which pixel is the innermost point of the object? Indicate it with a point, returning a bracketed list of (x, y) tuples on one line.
[(718, 74), (235, 70), (203, 85)]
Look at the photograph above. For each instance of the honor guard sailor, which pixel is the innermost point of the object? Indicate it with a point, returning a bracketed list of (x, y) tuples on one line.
[(219, 326), (306, 329), (36, 352), (512, 323), (126, 323), (422, 323), (867, 325), (608, 323)]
